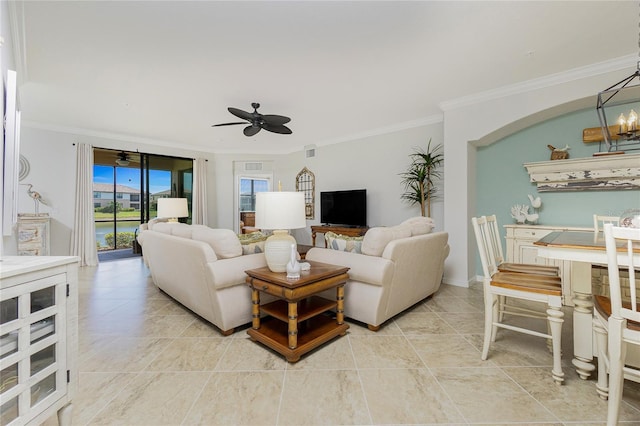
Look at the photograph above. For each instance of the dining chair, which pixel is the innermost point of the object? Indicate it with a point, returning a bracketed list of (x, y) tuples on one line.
[(493, 234), (600, 220), (502, 288), (616, 323)]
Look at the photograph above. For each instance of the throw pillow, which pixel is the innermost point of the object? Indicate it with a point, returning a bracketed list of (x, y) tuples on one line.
[(376, 239), (253, 242), (343, 242), (419, 225), (224, 242)]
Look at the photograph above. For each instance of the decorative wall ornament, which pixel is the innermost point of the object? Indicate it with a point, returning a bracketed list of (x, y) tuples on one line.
[(24, 168), (520, 212), (306, 182)]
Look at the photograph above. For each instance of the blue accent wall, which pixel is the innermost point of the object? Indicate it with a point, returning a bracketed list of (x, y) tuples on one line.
[(502, 180)]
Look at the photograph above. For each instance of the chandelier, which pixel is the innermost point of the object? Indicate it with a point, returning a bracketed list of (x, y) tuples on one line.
[(617, 109)]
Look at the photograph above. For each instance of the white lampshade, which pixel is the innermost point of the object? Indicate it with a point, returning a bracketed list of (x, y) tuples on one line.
[(279, 211), (172, 208)]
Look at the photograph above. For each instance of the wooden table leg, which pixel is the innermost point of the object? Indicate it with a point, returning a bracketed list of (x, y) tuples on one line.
[(293, 325), (255, 309), (340, 304)]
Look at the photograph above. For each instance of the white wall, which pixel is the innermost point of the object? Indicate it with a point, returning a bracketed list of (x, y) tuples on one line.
[(373, 163), (52, 156)]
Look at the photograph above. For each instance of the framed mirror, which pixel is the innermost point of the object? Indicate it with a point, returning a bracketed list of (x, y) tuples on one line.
[(306, 182)]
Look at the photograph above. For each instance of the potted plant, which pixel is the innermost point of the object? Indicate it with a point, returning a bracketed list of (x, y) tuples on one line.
[(419, 179)]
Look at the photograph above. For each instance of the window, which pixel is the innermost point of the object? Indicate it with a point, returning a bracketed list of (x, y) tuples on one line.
[(119, 195), (248, 189), (134, 197)]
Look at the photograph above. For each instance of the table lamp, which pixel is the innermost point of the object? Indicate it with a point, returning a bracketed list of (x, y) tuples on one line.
[(172, 208), (279, 211)]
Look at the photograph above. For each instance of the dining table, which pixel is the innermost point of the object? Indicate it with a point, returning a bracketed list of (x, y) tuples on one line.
[(584, 249)]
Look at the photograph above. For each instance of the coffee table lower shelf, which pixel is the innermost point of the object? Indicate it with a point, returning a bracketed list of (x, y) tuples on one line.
[(311, 334)]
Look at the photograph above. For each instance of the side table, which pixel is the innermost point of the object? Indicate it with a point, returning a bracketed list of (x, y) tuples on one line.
[(295, 325)]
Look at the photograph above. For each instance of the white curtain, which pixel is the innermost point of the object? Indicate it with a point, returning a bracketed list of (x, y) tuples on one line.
[(199, 196), (83, 235)]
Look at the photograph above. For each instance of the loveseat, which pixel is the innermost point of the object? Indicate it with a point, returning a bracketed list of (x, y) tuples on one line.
[(203, 269), (391, 268)]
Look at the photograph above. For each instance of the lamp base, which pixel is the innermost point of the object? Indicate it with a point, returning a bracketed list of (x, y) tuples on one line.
[(277, 250)]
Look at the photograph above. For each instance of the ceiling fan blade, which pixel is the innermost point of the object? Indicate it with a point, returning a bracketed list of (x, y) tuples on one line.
[(228, 124), (284, 130), (275, 120), (241, 114), (251, 130)]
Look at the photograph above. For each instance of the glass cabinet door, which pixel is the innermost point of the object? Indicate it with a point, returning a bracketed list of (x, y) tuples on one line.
[(32, 347)]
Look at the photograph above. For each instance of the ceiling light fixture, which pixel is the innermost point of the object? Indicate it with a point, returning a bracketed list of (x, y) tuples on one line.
[(625, 133), (123, 159)]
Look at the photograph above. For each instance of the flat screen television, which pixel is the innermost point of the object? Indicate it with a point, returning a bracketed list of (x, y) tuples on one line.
[(346, 208)]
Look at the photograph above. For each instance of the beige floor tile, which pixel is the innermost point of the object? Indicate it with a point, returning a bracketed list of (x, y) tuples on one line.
[(153, 399), (464, 322), (564, 401), (244, 354), (384, 352), (335, 354), (489, 395), (238, 398), (95, 391), (516, 349), (190, 354), (122, 354), (449, 350), (450, 304), (360, 329), (422, 323), (201, 328), (312, 397), (407, 396)]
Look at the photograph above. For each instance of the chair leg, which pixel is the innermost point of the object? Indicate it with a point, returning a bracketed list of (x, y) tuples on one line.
[(489, 304), (555, 317), (617, 354), (602, 387), (502, 301)]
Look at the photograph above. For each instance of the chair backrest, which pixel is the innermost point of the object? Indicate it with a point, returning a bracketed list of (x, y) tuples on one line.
[(599, 221), (485, 237), (622, 241), (496, 242)]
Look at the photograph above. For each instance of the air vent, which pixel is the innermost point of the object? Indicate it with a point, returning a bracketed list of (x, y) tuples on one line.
[(253, 166), (310, 151)]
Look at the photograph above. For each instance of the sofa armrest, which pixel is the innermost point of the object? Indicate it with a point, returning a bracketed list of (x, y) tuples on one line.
[(368, 269), (230, 272)]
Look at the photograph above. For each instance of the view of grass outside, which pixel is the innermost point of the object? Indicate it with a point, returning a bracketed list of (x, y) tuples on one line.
[(117, 221)]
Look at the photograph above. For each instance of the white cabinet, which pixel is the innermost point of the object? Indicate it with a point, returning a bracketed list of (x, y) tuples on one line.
[(520, 249), (38, 338), (33, 234)]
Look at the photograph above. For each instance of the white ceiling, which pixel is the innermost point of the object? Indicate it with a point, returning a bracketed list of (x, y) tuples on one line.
[(167, 70)]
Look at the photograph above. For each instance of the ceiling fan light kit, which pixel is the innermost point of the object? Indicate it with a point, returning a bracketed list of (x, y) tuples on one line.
[(269, 122), (123, 159)]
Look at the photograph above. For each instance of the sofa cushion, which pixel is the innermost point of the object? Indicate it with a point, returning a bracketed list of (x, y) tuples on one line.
[(419, 225), (343, 242), (181, 230), (376, 239), (156, 220), (224, 242), (253, 242)]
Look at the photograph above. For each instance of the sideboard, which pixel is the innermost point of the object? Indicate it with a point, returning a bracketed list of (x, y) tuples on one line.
[(520, 249), (349, 231), (33, 234), (38, 338)]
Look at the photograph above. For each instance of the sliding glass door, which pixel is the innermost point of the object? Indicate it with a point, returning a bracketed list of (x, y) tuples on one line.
[(126, 187)]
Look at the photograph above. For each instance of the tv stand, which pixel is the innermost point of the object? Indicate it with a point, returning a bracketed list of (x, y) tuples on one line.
[(350, 231)]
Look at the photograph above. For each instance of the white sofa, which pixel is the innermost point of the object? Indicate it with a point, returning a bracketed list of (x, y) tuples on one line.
[(398, 267), (202, 268)]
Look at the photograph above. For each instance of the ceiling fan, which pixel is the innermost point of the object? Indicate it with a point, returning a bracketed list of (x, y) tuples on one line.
[(123, 159), (257, 121)]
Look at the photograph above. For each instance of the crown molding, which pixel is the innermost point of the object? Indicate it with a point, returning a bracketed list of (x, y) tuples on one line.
[(432, 119), (592, 70)]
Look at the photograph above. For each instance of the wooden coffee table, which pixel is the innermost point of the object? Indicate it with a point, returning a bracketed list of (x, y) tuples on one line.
[(297, 323)]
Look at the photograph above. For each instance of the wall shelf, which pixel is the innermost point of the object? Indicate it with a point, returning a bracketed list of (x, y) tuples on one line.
[(592, 173)]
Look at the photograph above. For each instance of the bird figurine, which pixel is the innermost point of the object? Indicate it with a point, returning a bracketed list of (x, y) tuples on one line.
[(535, 202), (37, 198)]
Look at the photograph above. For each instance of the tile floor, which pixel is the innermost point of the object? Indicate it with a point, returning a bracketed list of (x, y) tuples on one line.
[(146, 360)]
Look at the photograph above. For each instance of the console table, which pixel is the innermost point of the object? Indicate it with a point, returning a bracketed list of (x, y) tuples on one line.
[(343, 230), (283, 330)]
